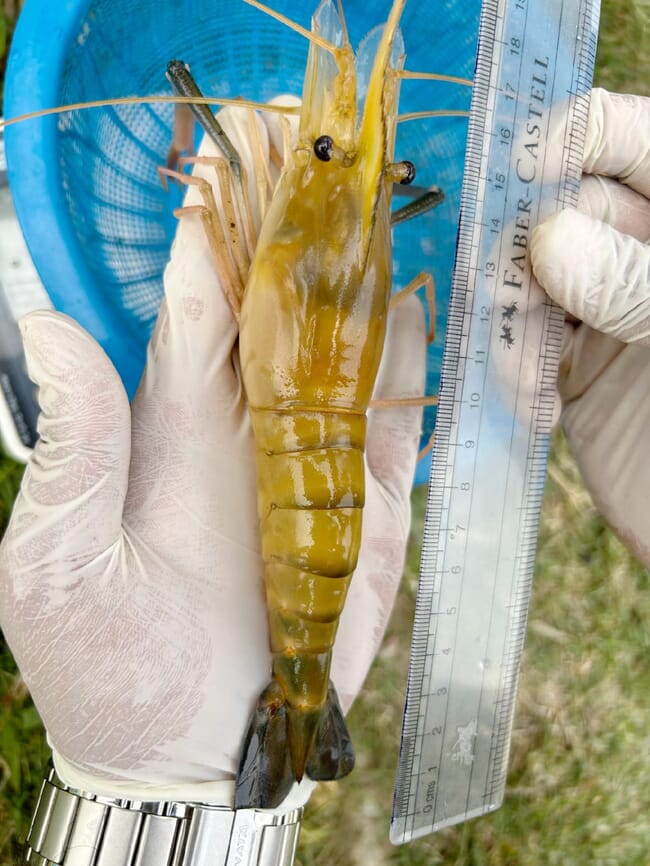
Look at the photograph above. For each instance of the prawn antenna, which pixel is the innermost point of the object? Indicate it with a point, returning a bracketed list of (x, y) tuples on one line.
[(435, 76), (293, 25), (146, 100), (421, 115)]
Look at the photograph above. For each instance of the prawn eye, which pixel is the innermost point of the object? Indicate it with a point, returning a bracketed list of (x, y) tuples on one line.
[(401, 172), (409, 172), (324, 147)]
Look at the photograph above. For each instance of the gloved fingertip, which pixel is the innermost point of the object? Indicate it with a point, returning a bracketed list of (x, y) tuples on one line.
[(596, 273), (548, 244), (61, 356), (54, 344), (616, 138), (394, 430), (403, 363)]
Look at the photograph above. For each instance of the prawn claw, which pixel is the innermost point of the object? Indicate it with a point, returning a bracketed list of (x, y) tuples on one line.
[(282, 743)]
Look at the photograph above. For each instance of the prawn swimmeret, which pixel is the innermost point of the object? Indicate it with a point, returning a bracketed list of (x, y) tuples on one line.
[(311, 289)]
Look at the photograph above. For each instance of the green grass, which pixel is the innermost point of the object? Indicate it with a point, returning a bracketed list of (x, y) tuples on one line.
[(578, 791), (624, 46)]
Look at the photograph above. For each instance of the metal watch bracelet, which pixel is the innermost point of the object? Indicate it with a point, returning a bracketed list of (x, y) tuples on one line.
[(74, 828)]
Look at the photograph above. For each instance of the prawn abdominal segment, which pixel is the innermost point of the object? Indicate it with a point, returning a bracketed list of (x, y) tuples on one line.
[(312, 328)]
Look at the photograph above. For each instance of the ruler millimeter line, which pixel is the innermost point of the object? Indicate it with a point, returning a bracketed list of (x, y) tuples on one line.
[(524, 157)]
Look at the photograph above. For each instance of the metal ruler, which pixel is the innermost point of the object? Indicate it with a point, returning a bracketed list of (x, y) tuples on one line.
[(524, 156)]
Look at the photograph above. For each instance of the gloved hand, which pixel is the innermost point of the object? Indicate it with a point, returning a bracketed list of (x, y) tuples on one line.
[(130, 590), (595, 263)]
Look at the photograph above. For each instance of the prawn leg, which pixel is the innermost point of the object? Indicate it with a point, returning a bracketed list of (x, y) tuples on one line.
[(428, 447), (401, 402), (230, 227), (179, 76), (220, 246), (183, 140), (235, 215), (184, 84)]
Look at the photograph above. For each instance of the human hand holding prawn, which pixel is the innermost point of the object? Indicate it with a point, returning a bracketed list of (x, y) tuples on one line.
[(595, 262), (130, 573)]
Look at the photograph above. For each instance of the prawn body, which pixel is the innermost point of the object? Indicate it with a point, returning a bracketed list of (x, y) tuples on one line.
[(312, 328)]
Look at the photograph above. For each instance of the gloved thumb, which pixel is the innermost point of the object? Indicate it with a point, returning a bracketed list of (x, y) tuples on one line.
[(70, 506), (596, 273)]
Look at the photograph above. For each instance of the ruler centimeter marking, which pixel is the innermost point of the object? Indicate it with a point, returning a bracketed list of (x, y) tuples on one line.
[(524, 161)]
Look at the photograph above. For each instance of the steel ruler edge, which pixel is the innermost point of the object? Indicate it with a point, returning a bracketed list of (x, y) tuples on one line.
[(527, 128)]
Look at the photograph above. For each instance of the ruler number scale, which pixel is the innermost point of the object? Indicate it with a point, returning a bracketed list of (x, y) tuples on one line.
[(524, 156)]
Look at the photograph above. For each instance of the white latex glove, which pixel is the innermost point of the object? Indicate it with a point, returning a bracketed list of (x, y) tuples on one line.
[(596, 264), (130, 574)]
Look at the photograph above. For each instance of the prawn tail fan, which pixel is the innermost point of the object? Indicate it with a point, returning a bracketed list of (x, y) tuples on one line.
[(284, 743)]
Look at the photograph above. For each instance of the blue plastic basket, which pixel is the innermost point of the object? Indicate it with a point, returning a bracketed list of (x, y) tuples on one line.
[(95, 217)]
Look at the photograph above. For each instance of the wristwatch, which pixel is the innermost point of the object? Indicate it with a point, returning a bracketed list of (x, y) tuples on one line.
[(75, 828)]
